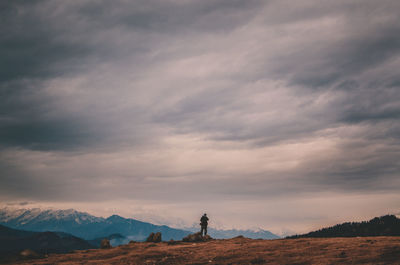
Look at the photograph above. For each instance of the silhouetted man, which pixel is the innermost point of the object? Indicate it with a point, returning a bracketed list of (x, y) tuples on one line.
[(204, 223)]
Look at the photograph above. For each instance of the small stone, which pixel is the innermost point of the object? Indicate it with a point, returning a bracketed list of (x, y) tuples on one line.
[(29, 254), (105, 244)]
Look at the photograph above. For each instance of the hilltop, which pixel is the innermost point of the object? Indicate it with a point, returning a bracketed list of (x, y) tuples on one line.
[(239, 250), (388, 225)]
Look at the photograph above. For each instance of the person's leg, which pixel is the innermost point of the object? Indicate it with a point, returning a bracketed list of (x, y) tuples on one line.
[(205, 230), (202, 229)]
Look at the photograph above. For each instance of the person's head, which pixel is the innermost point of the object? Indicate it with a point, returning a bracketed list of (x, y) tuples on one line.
[(205, 214)]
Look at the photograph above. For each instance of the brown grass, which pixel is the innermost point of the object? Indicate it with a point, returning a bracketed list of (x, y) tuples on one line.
[(365, 250)]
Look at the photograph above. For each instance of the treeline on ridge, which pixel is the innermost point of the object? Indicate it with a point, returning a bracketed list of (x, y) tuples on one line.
[(388, 225)]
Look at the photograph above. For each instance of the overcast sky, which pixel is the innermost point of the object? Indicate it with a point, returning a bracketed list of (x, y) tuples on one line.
[(282, 115)]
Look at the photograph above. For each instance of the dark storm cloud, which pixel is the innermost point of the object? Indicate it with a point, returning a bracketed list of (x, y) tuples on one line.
[(34, 49), (351, 37), (366, 38), (33, 43), (98, 78), (373, 105), (359, 165), (28, 119), (42, 40), (171, 16), (340, 60)]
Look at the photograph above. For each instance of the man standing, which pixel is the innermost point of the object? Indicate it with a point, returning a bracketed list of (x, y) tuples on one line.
[(203, 224)]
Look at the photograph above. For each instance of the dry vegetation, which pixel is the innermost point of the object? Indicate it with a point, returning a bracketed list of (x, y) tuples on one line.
[(355, 250)]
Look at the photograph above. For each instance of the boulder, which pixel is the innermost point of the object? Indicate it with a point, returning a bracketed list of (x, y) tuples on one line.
[(207, 238), (197, 237), (172, 242), (155, 238), (105, 244), (150, 238)]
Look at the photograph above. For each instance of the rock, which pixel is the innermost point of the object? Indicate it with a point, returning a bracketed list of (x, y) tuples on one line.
[(132, 242), (155, 238), (173, 242), (192, 237), (105, 244), (207, 238), (29, 254), (150, 238), (197, 237)]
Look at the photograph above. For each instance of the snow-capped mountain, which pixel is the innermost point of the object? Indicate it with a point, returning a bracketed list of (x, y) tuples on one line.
[(222, 234), (82, 224), (263, 234), (89, 227), (23, 217)]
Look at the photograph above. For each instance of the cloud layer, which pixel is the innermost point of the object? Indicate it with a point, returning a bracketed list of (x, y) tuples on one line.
[(182, 102)]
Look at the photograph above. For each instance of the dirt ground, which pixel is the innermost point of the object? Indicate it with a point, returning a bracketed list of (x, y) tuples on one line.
[(359, 250)]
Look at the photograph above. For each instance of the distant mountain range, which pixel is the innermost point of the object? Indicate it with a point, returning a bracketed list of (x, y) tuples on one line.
[(93, 228), (388, 225), (224, 234), (13, 241), (84, 225)]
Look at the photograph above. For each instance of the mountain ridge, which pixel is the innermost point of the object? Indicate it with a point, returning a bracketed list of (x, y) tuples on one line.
[(12, 241), (387, 225), (230, 233), (89, 227), (83, 225)]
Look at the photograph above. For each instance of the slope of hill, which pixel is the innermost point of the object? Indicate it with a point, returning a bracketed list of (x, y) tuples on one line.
[(388, 225), (84, 225), (376, 250), (12, 241)]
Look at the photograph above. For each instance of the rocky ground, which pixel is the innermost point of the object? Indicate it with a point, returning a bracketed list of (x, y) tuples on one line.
[(355, 250)]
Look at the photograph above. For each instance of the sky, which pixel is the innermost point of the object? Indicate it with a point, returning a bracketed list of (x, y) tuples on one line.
[(276, 114)]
